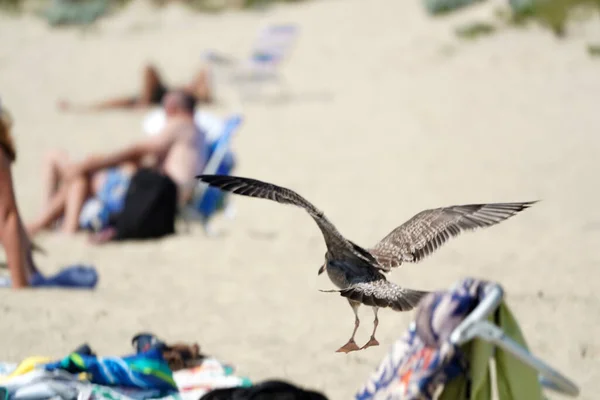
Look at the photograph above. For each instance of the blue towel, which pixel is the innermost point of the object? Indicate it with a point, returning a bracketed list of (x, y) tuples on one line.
[(75, 276), (97, 211), (146, 370)]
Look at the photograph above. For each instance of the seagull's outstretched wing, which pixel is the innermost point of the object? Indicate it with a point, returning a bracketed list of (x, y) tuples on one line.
[(428, 230), (336, 243)]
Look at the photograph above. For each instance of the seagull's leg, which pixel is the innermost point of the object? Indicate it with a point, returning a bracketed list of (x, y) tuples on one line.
[(373, 341), (351, 345)]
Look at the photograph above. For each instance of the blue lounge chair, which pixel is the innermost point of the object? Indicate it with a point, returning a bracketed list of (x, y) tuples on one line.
[(207, 201), (272, 47)]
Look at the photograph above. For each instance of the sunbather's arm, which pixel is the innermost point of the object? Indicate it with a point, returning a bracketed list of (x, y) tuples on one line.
[(157, 145)]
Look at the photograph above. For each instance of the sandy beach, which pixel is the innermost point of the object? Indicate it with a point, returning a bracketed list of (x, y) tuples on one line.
[(389, 114)]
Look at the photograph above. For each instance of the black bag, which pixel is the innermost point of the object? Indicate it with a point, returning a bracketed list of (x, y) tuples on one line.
[(267, 390), (150, 207)]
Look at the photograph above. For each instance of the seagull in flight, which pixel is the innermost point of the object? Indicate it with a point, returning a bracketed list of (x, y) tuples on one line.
[(359, 272)]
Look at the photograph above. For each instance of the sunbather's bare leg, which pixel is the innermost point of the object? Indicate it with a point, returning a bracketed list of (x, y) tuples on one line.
[(200, 87), (66, 196), (50, 214), (150, 81), (78, 193), (52, 173), (116, 103)]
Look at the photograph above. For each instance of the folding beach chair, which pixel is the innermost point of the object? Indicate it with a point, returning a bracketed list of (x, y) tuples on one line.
[(272, 47), (464, 344), (206, 200)]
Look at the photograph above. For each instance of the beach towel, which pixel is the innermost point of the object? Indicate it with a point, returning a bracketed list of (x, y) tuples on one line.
[(424, 361), (194, 373), (151, 373), (98, 392), (147, 370), (210, 375), (192, 384), (210, 124), (97, 211), (42, 384), (145, 375), (73, 277), (10, 370)]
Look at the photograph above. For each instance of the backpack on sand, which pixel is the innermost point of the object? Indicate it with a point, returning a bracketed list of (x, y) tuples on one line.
[(150, 207)]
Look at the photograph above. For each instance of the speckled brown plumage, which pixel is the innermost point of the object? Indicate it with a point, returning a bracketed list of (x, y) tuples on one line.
[(428, 230), (358, 272)]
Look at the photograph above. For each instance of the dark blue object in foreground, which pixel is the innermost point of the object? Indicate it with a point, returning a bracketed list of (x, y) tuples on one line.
[(76, 276)]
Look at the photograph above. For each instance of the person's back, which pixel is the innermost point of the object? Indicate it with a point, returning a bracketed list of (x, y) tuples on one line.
[(185, 158)]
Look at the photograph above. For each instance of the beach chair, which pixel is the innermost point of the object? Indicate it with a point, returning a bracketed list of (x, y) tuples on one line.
[(206, 201), (272, 47), (451, 353)]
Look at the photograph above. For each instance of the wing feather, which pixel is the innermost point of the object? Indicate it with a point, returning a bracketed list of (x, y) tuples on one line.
[(428, 230), (337, 245)]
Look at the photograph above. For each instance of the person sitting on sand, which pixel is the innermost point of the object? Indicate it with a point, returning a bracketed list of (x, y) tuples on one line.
[(153, 91), (177, 150), (13, 237)]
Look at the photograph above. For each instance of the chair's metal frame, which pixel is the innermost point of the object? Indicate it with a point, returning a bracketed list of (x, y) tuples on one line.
[(476, 325)]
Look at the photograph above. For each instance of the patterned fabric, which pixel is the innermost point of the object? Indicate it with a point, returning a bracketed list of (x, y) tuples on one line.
[(96, 211), (144, 376), (146, 370), (98, 392), (422, 361), (195, 382)]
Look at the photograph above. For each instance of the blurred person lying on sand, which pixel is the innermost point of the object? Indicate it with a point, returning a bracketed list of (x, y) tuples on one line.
[(177, 151), (153, 92), (13, 237)]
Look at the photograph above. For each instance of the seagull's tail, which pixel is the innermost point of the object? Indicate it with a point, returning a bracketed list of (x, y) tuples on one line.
[(384, 293), (407, 299)]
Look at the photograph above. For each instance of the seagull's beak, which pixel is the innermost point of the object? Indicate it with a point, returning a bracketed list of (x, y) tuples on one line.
[(322, 269)]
